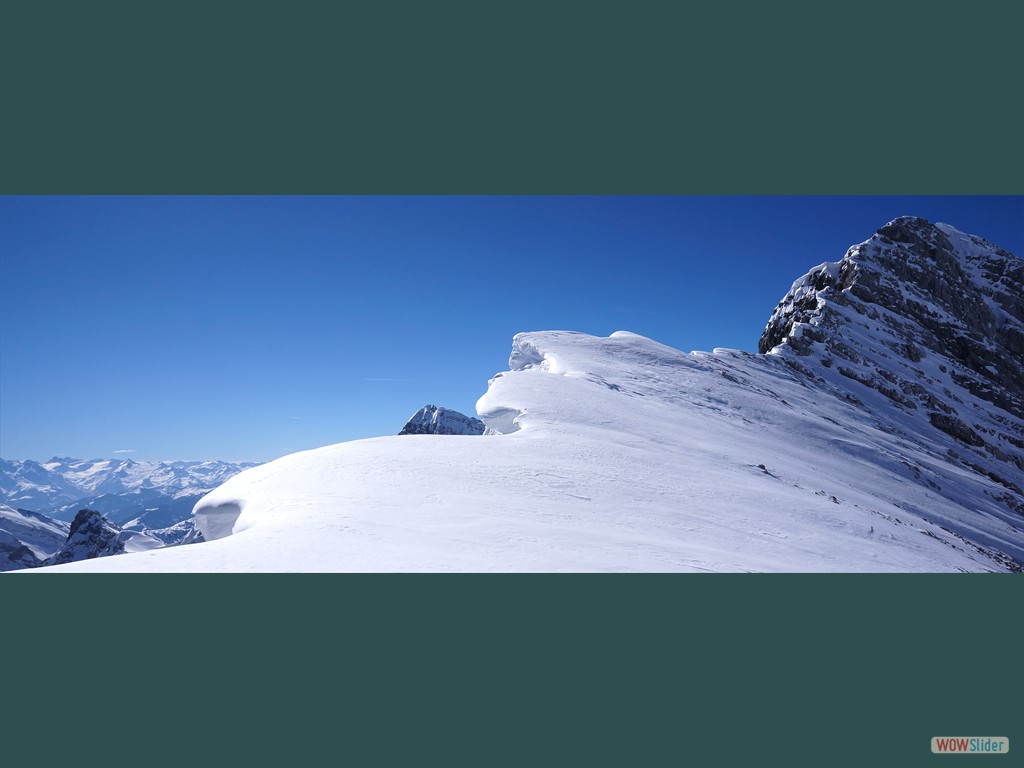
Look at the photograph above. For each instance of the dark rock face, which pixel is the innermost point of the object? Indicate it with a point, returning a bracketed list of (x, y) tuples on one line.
[(961, 300), (802, 304), (922, 325), (951, 425), (91, 535), (433, 420)]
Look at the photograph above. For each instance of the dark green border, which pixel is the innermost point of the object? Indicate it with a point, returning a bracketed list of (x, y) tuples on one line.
[(714, 670), (116, 97), (458, 97)]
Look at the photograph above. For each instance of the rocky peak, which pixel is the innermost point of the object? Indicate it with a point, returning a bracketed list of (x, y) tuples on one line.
[(924, 288), (434, 420), (930, 318), (91, 535), (950, 284)]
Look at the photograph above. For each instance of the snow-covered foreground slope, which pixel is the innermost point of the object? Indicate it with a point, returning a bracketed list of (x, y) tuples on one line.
[(622, 454)]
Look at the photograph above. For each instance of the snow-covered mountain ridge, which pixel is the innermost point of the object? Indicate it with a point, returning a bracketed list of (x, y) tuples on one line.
[(880, 431)]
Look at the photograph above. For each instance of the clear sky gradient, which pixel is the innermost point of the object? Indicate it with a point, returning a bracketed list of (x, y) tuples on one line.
[(251, 327)]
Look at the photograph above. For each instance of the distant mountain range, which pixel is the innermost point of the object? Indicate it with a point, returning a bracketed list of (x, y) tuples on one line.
[(133, 506), (140, 495)]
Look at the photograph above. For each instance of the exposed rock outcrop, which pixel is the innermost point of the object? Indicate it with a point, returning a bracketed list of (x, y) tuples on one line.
[(434, 420), (92, 535)]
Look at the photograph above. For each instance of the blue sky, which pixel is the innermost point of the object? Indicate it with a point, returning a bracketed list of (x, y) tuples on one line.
[(251, 327)]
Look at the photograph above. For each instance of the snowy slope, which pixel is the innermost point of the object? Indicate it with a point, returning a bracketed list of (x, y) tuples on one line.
[(622, 454)]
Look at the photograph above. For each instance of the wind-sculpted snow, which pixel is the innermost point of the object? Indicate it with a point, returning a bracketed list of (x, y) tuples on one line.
[(622, 454), (215, 521)]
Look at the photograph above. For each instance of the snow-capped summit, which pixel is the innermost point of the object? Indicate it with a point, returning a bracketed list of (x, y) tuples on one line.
[(881, 432), (433, 420)]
